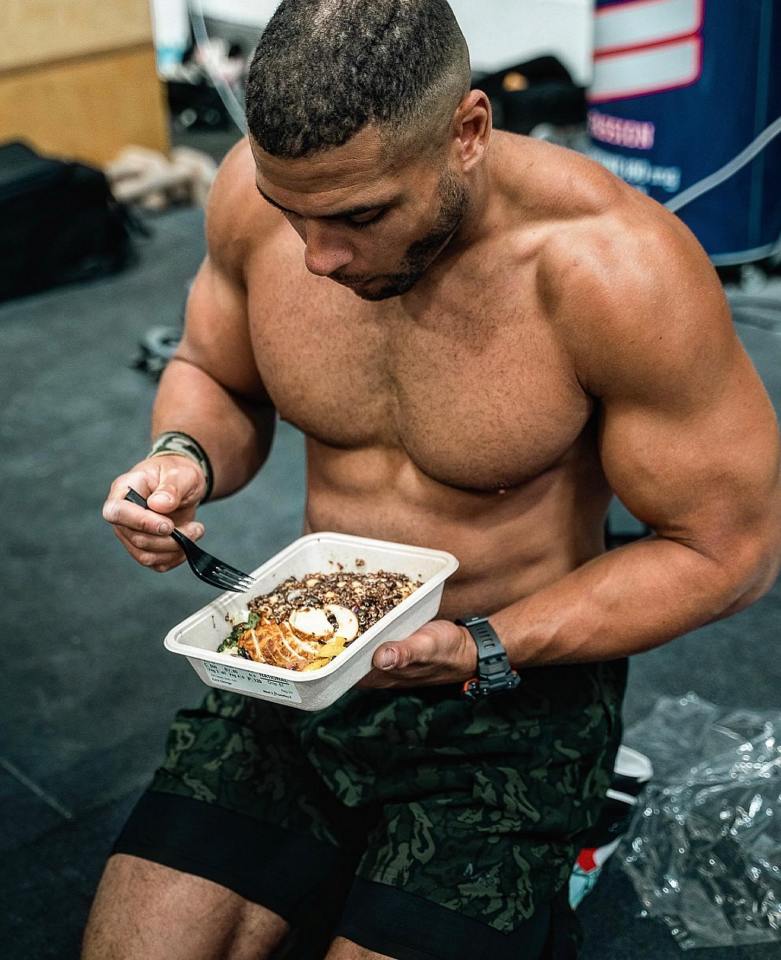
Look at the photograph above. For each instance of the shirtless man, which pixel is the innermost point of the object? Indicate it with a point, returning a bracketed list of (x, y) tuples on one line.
[(482, 337)]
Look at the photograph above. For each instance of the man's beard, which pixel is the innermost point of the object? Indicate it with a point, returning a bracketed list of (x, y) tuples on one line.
[(454, 201)]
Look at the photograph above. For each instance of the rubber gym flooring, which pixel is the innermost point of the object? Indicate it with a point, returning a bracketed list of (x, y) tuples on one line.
[(87, 690)]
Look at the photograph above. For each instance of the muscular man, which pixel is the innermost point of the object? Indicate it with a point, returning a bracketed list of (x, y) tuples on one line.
[(482, 337)]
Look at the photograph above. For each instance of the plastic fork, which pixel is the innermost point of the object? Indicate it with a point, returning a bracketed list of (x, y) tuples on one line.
[(203, 564)]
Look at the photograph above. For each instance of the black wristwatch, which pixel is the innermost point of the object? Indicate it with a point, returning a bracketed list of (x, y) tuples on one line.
[(494, 673)]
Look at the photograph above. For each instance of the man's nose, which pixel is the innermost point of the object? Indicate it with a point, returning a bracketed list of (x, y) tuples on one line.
[(325, 252)]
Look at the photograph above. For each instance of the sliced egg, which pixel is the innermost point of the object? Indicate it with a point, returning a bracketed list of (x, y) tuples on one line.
[(347, 622), (311, 622)]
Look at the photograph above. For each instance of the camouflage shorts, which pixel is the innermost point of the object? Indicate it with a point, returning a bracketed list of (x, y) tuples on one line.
[(476, 806)]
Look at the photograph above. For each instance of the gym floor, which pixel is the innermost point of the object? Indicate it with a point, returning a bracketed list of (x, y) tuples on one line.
[(87, 690)]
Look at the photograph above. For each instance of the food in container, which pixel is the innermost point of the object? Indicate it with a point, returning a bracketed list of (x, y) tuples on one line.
[(304, 623), (199, 636)]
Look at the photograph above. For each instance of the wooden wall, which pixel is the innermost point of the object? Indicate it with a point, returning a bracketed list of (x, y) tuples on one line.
[(78, 77)]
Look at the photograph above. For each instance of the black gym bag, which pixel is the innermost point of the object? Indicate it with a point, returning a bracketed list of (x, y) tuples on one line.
[(58, 223), (533, 92)]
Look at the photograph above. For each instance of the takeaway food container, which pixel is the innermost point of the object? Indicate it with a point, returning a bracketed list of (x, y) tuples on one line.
[(198, 637)]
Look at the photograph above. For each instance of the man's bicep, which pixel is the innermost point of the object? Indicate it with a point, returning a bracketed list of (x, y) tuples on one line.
[(217, 329), (693, 450), (217, 334)]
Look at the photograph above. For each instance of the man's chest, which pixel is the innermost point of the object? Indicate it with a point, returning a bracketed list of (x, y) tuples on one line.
[(478, 398)]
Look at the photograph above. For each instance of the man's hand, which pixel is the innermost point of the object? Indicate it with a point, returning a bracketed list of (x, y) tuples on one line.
[(173, 487), (440, 652)]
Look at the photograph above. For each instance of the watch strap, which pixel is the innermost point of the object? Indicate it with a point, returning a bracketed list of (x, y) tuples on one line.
[(494, 672)]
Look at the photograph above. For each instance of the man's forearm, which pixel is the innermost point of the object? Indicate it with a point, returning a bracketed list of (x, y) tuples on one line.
[(236, 434), (624, 602)]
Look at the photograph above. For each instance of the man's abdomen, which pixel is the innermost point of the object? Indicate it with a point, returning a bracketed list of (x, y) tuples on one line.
[(509, 542)]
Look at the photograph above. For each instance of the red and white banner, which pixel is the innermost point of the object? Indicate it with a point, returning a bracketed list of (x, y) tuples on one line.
[(646, 46)]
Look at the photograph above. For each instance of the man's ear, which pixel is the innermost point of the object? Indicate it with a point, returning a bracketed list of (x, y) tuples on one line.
[(472, 125)]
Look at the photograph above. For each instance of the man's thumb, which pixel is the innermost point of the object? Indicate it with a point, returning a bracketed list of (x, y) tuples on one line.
[(164, 498), (388, 657)]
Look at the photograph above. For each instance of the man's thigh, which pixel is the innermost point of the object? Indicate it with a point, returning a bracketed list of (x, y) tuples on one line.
[(146, 911), (236, 808), (342, 949), (236, 802)]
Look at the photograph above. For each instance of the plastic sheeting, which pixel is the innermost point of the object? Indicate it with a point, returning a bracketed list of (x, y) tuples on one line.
[(704, 848)]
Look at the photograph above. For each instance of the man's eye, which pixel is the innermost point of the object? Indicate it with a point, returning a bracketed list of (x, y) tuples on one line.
[(366, 219)]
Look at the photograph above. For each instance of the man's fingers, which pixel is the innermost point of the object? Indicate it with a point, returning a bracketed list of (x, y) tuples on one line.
[(172, 487), (117, 510), (168, 489), (122, 513), (164, 544), (140, 542), (377, 680), (157, 561), (139, 480), (158, 553)]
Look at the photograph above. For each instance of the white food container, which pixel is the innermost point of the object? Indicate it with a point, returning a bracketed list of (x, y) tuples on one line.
[(198, 637)]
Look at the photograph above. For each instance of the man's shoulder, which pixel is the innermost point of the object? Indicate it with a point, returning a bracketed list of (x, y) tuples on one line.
[(582, 214), (627, 288), (238, 219), (587, 231), (630, 244)]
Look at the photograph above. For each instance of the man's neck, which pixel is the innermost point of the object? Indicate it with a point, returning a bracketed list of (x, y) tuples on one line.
[(475, 225)]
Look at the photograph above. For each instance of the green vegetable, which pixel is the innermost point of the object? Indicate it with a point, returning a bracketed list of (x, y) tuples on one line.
[(231, 643)]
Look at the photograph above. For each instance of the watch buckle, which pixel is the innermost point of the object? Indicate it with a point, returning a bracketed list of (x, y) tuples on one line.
[(476, 688)]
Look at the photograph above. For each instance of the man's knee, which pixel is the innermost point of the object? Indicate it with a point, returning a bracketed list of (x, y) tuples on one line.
[(146, 910), (342, 949)]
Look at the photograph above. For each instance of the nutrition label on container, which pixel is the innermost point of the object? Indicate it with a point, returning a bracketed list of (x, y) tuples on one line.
[(238, 679)]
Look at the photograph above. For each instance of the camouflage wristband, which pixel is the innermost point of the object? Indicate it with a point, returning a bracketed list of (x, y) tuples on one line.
[(174, 442)]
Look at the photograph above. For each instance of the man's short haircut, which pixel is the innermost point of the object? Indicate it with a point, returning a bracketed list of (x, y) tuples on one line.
[(325, 69)]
